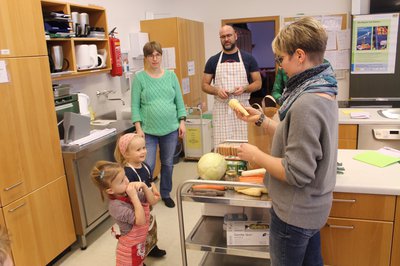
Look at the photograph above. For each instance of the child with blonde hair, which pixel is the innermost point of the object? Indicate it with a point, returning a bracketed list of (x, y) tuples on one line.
[(5, 250), (131, 152), (129, 206)]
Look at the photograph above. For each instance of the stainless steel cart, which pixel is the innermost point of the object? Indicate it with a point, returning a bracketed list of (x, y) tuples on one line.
[(207, 234)]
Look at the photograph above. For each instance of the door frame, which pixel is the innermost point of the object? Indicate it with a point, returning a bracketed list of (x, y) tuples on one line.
[(275, 19)]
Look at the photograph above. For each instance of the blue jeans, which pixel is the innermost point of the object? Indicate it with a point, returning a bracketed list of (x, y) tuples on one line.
[(293, 246), (167, 146)]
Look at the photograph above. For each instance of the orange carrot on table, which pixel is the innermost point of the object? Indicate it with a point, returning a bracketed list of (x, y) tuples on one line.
[(216, 187)]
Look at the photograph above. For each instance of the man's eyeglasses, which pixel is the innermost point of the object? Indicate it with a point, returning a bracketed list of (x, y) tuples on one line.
[(279, 60), (222, 37), (153, 56)]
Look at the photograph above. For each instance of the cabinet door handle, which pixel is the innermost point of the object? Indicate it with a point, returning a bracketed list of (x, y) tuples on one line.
[(347, 227), (345, 200), (13, 186), (19, 206)]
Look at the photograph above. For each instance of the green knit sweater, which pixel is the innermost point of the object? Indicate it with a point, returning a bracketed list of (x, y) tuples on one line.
[(157, 103)]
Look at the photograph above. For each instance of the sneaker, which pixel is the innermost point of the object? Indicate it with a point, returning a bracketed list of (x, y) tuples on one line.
[(156, 252), (169, 202)]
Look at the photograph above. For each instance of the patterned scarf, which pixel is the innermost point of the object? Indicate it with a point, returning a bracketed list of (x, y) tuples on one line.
[(317, 79)]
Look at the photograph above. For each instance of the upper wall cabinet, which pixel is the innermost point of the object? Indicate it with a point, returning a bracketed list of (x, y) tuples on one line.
[(77, 39), (19, 31), (187, 38)]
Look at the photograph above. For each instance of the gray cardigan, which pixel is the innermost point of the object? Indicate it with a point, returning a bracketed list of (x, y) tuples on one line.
[(307, 141)]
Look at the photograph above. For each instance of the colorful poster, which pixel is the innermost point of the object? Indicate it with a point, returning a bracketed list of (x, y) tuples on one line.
[(374, 42)]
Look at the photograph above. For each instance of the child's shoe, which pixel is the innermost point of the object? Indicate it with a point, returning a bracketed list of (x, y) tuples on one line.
[(156, 252)]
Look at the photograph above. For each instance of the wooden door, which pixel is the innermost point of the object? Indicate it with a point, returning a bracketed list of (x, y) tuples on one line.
[(40, 225), (31, 152), (351, 242), (348, 136), (21, 229), (52, 217), (21, 28)]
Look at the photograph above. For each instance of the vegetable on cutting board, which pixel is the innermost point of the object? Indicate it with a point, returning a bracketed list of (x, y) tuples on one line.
[(252, 191), (252, 179), (254, 172), (235, 105)]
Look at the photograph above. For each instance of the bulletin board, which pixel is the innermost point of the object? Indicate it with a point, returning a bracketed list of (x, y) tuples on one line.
[(292, 19), (338, 47)]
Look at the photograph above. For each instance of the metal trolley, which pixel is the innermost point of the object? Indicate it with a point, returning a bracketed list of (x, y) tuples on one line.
[(207, 234)]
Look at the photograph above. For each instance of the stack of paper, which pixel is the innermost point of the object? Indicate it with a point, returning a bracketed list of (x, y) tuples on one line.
[(94, 135), (360, 115)]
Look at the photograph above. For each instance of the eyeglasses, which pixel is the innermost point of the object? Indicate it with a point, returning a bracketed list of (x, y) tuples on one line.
[(153, 56), (226, 36), (279, 60)]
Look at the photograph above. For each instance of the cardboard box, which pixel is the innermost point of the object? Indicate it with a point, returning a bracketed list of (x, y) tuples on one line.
[(247, 233)]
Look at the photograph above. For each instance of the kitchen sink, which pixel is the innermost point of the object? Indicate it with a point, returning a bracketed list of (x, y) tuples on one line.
[(390, 113), (105, 119)]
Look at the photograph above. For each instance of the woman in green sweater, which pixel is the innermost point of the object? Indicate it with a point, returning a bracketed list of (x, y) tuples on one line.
[(159, 114)]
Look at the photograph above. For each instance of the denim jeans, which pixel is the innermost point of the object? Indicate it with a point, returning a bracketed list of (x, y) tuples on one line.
[(293, 246), (167, 146)]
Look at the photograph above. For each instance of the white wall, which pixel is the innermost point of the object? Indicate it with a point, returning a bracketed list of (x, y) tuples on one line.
[(126, 16)]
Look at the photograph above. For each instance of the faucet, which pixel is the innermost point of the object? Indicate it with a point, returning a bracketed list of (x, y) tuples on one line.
[(117, 99), (104, 92)]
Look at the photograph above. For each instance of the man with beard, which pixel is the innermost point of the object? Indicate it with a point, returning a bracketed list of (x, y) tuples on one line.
[(235, 74)]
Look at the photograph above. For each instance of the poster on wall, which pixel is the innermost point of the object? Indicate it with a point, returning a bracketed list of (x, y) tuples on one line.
[(374, 42)]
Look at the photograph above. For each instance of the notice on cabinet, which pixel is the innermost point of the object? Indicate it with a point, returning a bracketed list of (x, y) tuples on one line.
[(168, 58), (186, 85), (3, 72), (191, 68)]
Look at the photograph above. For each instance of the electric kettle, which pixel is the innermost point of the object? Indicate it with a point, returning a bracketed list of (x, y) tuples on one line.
[(84, 102)]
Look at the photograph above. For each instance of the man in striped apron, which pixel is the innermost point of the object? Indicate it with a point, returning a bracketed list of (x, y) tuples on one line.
[(235, 74)]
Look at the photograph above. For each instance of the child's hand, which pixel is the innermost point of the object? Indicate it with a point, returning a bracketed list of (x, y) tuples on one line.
[(131, 190), (139, 185)]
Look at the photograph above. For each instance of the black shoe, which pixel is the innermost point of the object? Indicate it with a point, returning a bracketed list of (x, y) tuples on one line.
[(169, 202), (157, 253)]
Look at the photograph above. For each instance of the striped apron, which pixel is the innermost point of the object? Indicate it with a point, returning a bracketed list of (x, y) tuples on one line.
[(131, 247), (225, 124)]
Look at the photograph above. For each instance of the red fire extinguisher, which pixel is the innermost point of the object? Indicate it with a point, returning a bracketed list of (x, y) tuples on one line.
[(115, 50)]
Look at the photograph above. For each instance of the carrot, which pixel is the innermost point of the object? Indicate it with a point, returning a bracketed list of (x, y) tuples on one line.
[(252, 179), (235, 105), (200, 187), (254, 172)]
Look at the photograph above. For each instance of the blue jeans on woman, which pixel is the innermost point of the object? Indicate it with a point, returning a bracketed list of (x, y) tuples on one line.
[(167, 146), (293, 246)]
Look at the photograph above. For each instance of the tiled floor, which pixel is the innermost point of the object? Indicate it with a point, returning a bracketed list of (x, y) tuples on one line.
[(101, 245)]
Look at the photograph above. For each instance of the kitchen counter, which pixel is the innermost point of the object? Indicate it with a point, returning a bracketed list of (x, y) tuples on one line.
[(377, 119), (122, 126), (360, 177)]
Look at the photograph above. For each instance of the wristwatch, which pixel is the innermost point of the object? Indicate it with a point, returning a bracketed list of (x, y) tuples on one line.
[(182, 118), (260, 120)]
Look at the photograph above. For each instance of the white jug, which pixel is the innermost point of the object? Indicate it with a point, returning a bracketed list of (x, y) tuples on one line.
[(84, 102)]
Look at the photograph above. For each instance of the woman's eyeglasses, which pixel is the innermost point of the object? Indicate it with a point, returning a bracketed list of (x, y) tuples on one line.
[(153, 56), (279, 60)]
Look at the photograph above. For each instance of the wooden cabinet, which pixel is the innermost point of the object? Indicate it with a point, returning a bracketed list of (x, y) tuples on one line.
[(34, 199), (19, 31), (348, 136), (31, 153), (359, 230), (97, 19), (187, 37), (40, 224)]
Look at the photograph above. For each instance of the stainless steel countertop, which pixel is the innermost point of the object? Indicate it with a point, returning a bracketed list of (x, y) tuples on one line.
[(76, 152)]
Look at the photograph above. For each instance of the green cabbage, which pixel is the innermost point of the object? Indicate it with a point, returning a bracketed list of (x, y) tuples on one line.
[(211, 166)]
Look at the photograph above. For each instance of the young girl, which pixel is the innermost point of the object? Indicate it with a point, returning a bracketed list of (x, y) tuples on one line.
[(131, 152), (129, 206)]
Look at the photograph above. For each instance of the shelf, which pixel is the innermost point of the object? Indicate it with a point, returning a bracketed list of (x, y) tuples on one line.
[(231, 198), (83, 39), (215, 259), (208, 235), (70, 75)]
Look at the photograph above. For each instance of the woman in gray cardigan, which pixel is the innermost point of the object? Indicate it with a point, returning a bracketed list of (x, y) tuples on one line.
[(301, 170)]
